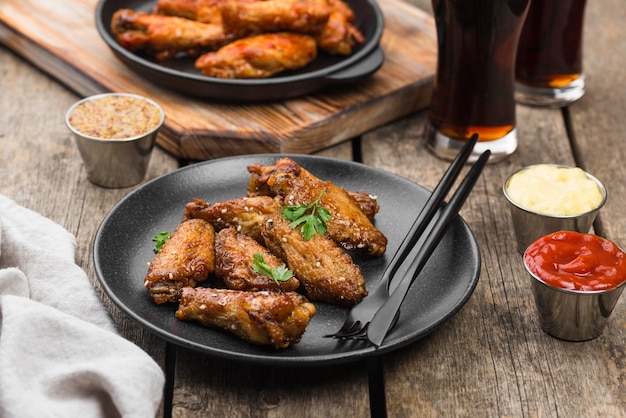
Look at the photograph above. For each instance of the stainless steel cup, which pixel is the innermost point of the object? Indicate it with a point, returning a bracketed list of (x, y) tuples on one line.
[(530, 226), (115, 163), (573, 315)]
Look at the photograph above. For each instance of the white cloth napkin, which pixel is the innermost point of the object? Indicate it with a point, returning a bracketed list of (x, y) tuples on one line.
[(60, 354)]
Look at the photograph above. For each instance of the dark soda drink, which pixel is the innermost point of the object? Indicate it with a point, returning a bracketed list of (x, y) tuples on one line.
[(549, 52), (474, 84)]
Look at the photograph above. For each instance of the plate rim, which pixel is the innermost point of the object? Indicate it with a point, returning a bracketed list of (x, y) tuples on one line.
[(363, 351)]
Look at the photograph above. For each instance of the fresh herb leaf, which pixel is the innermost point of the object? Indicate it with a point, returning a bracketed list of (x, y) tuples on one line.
[(313, 217), (279, 274), (160, 239)]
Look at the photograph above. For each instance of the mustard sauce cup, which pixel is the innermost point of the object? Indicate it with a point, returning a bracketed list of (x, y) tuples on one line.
[(115, 162)]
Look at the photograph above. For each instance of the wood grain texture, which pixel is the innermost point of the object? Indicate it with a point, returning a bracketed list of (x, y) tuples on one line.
[(491, 359), (42, 171), (201, 129)]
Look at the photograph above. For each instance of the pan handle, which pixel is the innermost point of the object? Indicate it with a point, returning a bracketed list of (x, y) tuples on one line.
[(360, 69)]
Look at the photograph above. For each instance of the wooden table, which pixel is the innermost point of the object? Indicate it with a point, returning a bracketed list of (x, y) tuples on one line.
[(490, 359)]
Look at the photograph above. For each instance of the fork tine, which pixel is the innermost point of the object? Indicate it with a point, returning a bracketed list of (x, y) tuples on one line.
[(348, 328), (358, 333)]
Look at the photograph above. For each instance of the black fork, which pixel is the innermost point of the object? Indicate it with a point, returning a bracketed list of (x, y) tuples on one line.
[(361, 314)]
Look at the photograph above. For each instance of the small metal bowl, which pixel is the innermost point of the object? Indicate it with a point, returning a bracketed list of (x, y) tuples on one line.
[(115, 162), (530, 225), (572, 315)]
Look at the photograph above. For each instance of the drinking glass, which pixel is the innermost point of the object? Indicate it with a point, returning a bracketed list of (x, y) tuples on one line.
[(549, 70), (475, 79)]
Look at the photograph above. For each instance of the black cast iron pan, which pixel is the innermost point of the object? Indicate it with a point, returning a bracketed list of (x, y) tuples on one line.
[(181, 76)]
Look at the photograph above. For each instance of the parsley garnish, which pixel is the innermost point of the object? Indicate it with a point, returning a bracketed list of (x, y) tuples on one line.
[(279, 274), (160, 239), (313, 217)]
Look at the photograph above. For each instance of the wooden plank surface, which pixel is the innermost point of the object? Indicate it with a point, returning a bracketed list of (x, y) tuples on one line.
[(201, 129), (491, 359)]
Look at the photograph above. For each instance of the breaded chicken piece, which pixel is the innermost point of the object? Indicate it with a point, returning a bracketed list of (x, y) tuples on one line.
[(278, 319), (349, 226), (259, 56), (245, 214), (186, 258), (234, 260), (325, 271), (165, 36), (301, 16)]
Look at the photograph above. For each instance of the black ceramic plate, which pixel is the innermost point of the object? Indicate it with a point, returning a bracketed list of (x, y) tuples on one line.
[(325, 70), (123, 247)]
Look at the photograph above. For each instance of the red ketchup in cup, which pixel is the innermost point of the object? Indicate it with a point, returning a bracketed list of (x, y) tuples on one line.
[(576, 261)]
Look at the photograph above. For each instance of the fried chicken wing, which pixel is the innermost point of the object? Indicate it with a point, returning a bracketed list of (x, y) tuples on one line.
[(233, 263), (262, 176), (186, 258), (259, 56), (366, 202), (302, 16), (278, 319), (339, 36), (325, 271), (349, 226), (245, 214), (165, 36), (259, 175), (205, 11)]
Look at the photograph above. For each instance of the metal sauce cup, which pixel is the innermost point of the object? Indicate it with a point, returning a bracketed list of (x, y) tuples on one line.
[(573, 315), (119, 162), (530, 226)]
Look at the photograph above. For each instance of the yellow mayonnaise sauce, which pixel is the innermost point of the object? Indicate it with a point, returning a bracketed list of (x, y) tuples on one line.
[(554, 190)]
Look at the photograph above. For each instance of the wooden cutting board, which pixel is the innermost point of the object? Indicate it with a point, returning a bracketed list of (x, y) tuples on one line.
[(60, 37)]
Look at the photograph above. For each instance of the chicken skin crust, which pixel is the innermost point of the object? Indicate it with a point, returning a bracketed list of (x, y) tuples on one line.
[(165, 37), (205, 11), (339, 36), (349, 226), (245, 214), (242, 19), (277, 319), (233, 263), (186, 258), (257, 185), (259, 56), (325, 271)]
